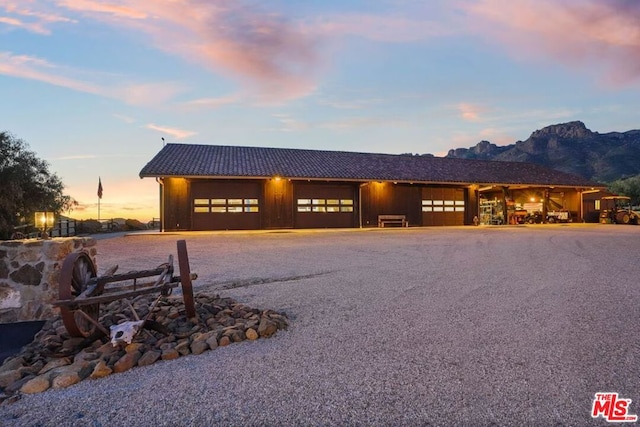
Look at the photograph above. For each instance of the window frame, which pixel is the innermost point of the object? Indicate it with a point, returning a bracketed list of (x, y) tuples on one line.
[(324, 205), (234, 205)]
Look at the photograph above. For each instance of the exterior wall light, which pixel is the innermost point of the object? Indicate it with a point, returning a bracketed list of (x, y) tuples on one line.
[(44, 221)]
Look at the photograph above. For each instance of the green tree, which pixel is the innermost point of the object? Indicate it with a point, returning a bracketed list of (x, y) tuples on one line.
[(629, 187), (26, 186)]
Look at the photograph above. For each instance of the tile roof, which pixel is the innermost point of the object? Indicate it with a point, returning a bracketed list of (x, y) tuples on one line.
[(219, 161)]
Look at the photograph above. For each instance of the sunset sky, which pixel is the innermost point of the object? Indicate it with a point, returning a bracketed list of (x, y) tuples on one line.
[(92, 86)]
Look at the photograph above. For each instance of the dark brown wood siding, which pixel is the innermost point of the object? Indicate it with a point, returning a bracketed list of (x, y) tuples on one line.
[(591, 211), (278, 204), (320, 205), (176, 215), (233, 205), (387, 198), (470, 205), (272, 203)]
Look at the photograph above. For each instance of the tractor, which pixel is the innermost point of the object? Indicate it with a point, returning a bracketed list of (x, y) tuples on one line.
[(617, 210)]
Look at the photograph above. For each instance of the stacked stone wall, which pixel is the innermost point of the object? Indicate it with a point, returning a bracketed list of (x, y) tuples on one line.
[(29, 274)]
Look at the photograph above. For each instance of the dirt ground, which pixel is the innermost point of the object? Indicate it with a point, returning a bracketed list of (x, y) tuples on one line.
[(511, 325)]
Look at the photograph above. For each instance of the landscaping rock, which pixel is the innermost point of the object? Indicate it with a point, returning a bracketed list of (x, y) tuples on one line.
[(170, 354), (199, 347), (183, 347), (65, 380), (16, 386), (149, 358), (134, 346), (100, 370), (212, 342), (9, 377), (86, 356), (127, 361), (53, 364), (251, 334), (267, 327), (36, 385), (237, 336), (56, 360), (12, 364)]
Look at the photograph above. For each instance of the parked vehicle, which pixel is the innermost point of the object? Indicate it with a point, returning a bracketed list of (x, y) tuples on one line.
[(617, 210), (558, 216), (534, 218)]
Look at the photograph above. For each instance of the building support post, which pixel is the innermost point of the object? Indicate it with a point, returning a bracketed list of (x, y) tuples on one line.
[(161, 192), (360, 202), (545, 204), (505, 210)]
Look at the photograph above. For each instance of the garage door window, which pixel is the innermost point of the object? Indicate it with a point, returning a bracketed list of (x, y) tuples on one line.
[(225, 205), (443, 206), (325, 205)]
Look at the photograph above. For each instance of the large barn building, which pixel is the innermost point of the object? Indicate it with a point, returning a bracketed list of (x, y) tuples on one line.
[(214, 187)]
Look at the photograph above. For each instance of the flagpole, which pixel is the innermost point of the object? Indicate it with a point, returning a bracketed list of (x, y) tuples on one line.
[(99, 196)]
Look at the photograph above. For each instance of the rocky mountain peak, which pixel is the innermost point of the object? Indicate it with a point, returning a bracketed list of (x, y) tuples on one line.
[(568, 147), (483, 147), (482, 150), (575, 129)]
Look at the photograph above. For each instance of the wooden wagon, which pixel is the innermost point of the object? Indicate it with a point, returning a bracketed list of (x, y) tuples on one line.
[(81, 291)]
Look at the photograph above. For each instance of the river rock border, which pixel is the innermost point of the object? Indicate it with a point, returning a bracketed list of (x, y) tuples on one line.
[(56, 360)]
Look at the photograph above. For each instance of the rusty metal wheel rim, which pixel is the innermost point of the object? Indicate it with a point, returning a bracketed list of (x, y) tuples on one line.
[(77, 269)]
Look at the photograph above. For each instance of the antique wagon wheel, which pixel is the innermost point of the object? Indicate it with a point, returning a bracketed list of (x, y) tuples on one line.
[(185, 279), (77, 270)]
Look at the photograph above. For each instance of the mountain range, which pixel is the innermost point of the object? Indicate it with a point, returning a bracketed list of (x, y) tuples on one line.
[(568, 147)]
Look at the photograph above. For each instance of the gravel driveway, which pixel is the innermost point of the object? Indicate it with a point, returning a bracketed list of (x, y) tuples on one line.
[(512, 325)]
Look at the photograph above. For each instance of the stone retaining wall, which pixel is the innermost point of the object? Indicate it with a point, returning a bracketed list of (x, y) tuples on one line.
[(29, 272)]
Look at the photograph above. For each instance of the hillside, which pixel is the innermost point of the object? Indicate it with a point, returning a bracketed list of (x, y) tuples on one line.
[(568, 147)]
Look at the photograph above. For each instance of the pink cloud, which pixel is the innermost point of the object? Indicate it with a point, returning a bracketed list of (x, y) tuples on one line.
[(497, 136), (213, 102), (154, 93), (289, 124), (603, 35), (33, 68), (384, 28), (174, 132), (28, 67), (13, 22), (124, 118), (263, 51), (36, 21), (470, 112), (273, 58), (105, 8)]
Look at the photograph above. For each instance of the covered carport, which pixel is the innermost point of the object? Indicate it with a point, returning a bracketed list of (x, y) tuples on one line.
[(517, 204)]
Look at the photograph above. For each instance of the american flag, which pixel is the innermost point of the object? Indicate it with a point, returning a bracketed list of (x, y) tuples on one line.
[(99, 188)]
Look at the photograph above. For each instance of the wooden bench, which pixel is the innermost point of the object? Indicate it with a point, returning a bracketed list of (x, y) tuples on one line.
[(400, 220)]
